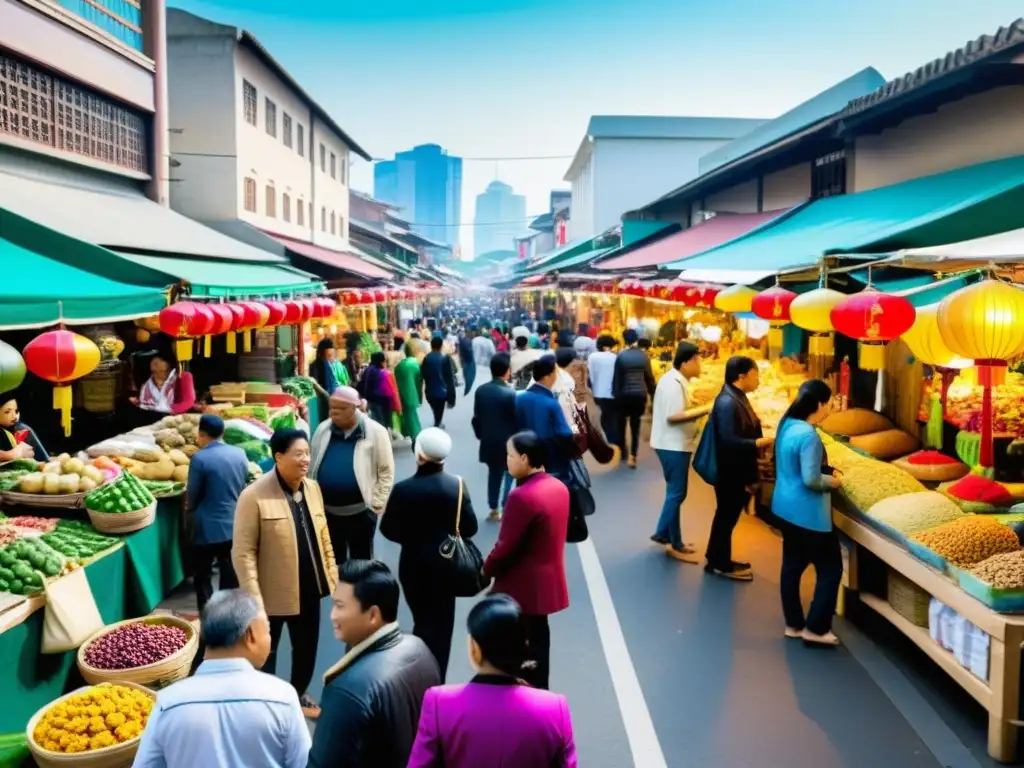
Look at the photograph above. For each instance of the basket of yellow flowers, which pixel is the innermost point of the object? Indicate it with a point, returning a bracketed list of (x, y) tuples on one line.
[(95, 727)]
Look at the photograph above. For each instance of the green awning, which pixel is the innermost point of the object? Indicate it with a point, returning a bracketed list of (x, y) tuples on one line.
[(37, 292), (227, 279), (577, 260), (555, 259), (944, 208)]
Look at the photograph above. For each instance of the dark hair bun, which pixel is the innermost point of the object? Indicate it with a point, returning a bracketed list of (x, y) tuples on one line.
[(496, 624)]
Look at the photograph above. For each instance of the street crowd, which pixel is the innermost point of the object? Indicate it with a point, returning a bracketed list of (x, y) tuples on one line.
[(305, 531)]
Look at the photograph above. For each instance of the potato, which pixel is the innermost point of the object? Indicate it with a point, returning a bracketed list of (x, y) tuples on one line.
[(31, 483), (51, 483), (180, 474), (95, 474), (139, 469), (190, 450), (149, 454), (52, 468), (161, 470), (69, 483), (86, 484), (178, 457)]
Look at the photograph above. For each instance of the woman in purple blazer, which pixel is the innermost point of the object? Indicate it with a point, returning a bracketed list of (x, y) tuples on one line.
[(495, 720)]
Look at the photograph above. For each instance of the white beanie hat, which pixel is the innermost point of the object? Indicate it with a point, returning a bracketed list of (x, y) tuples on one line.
[(433, 444)]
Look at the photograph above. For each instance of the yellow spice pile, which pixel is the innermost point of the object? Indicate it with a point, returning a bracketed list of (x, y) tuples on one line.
[(969, 540), (103, 716)]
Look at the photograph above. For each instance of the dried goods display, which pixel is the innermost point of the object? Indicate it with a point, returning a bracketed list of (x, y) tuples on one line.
[(866, 481), (932, 466), (136, 644), (1002, 571), (102, 716), (969, 540), (911, 513), (978, 494)]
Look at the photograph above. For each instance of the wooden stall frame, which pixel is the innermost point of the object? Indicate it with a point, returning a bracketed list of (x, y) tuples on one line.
[(1000, 696)]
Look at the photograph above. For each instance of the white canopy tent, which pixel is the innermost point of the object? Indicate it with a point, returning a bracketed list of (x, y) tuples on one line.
[(1004, 248)]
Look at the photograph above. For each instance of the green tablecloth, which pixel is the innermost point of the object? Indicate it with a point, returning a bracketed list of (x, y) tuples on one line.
[(130, 581)]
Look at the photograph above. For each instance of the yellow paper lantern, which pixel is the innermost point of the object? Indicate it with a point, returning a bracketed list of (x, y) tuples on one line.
[(735, 298), (812, 311), (926, 342), (984, 321)]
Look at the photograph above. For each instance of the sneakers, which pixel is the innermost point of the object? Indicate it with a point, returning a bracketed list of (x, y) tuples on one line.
[(683, 555), (732, 572), (661, 541), (631, 462)]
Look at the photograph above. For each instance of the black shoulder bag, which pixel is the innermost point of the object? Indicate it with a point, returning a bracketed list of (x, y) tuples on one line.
[(464, 563)]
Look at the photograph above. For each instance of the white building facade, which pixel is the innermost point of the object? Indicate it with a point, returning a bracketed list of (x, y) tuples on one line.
[(625, 161), (248, 143)]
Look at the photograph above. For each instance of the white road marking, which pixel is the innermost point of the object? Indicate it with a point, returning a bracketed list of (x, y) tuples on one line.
[(643, 740)]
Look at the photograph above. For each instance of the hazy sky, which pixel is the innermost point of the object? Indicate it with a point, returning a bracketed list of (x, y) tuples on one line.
[(516, 78)]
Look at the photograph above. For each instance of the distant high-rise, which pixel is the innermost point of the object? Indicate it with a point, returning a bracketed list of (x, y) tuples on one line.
[(500, 218), (426, 183)]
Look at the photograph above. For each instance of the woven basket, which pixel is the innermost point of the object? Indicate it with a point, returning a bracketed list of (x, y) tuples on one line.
[(44, 500), (156, 675), (117, 756), (908, 599), (122, 522)]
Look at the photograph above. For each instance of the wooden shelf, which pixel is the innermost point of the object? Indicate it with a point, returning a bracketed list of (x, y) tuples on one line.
[(919, 635)]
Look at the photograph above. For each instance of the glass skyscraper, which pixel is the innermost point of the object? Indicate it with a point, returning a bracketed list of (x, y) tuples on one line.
[(426, 183)]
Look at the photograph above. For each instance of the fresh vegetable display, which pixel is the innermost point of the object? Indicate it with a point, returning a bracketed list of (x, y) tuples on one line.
[(10, 478), (44, 524), (255, 473), (157, 464), (7, 535), (78, 541), (299, 387), (125, 494), (102, 716), (23, 565), (65, 475), (135, 645), (163, 487)]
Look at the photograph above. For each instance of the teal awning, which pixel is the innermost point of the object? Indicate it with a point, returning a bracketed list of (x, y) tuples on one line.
[(555, 259), (37, 291), (228, 279), (943, 208), (576, 260)]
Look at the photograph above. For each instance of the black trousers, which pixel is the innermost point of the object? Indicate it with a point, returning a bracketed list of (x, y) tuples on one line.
[(801, 548), (731, 500), (609, 420), (203, 556), (433, 617), (538, 638), (469, 373), (304, 632), (437, 408), (352, 535), (629, 410)]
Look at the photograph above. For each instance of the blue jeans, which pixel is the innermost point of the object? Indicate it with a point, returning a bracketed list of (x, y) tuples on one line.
[(675, 465), (499, 485)]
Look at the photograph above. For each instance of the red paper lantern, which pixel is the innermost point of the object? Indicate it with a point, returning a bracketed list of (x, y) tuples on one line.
[(307, 307), (366, 297), (872, 318), (380, 295), (237, 316), (176, 321), (292, 312), (329, 304), (773, 305), (224, 318), (60, 357), (277, 311), (202, 321)]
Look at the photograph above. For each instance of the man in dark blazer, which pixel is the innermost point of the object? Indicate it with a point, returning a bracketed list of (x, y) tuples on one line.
[(538, 410), (438, 377), (494, 422)]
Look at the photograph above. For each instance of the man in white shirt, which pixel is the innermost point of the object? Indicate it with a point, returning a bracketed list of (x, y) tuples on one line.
[(674, 439), (228, 713), (601, 367), (483, 349)]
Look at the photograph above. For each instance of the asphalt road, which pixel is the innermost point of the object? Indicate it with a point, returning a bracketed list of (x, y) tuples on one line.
[(665, 666)]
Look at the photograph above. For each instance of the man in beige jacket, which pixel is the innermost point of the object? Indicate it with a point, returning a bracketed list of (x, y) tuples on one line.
[(354, 466)]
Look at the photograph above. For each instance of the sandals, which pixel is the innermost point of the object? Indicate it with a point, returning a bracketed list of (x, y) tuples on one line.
[(310, 709)]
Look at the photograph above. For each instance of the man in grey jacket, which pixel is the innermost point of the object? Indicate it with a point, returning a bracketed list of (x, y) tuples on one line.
[(352, 461)]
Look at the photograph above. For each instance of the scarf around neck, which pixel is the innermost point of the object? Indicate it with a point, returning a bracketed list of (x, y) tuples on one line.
[(358, 650)]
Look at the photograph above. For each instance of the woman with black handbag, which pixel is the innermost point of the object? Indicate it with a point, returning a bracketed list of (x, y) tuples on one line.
[(430, 515)]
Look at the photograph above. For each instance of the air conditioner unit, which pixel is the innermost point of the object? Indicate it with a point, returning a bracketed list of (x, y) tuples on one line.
[(703, 215)]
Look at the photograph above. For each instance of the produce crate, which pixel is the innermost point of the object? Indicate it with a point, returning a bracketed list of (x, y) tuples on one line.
[(157, 675), (999, 600), (907, 599)]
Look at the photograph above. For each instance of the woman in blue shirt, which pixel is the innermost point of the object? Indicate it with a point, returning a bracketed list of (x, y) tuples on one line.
[(802, 500)]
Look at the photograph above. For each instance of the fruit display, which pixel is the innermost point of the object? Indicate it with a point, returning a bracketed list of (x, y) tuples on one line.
[(867, 481), (24, 563), (102, 716), (1002, 571), (134, 645), (911, 513), (964, 401), (969, 540), (77, 541), (65, 475), (125, 494)]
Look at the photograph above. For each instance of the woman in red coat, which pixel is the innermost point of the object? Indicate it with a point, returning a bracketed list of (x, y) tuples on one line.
[(528, 560)]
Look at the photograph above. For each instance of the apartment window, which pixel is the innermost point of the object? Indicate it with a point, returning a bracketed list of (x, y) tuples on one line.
[(323, 159), (341, 225), (271, 201), (311, 225), (343, 164), (286, 129), (286, 207), (828, 175), (271, 118), (333, 230), (334, 162), (120, 18), (300, 213), (249, 101), (250, 195), (300, 139), (323, 219)]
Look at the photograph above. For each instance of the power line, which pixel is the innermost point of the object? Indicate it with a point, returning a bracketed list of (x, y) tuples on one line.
[(474, 223), (528, 158)]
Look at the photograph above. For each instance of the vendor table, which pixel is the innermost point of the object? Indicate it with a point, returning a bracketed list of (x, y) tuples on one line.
[(130, 580), (1000, 696)]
